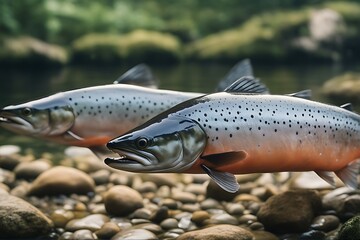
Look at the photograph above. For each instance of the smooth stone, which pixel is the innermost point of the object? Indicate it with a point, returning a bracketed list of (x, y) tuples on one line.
[(142, 213), (160, 179), (215, 192), (185, 222), (190, 207), (350, 230), (325, 223), (21, 190), (134, 234), (198, 189), (98, 209), (350, 207), (263, 235), (169, 203), (137, 221), (100, 177), (223, 218), (210, 204), (83, 234), (147, 187), (223, 232), (199, 217), (251, 177), (184, 197), (31, 170), (9, 162), (246, 198), (78, 152), (66, 236), (169, 223), (6, 150), (20, 219), (156, 229), (335, 198), (120, 179), (61, 217), (62, 180), (235, 209), (7, 177), (256, 226), (312, 234), (274, 214), (122, 200), (170, 235), (198, 178), (161, 214), (247, 219), (92, 222)]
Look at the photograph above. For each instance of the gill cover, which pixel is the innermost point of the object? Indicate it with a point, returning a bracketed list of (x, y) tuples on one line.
[(169, 145)]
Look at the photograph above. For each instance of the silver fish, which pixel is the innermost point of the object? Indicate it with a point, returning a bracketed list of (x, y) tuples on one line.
[(92, 116), (228, 133)]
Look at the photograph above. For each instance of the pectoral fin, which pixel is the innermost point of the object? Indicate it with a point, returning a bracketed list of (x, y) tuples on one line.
[(327, 176), (226, 181), (348, 174), (226, 158)]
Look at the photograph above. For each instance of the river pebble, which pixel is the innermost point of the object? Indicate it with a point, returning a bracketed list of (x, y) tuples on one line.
[(122, 205), (62, 180), (122, 200), (31, 170)]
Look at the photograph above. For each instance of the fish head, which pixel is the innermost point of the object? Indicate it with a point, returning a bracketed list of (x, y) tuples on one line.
[(38, 118), (172, 144)]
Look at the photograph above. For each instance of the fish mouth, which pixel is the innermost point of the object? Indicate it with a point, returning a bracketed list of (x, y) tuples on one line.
[(127, 157), (8, 118)]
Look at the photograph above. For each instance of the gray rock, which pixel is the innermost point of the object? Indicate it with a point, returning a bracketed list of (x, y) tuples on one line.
[(325, 223), (83, 234), (350, 207), (92, 222), (142, 213), (350, 230), (214, 191), (169, 223), (9, 162), (101, 176), (134, 234), (161, 214), (20, 219), (31, 170), (156, 229), (223, 218), (223, 232), (122, 200), (62, 180), (210, 204), (161, 179), (274, 214)]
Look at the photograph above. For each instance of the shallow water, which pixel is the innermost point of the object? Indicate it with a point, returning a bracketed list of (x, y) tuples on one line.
[(22, 85)]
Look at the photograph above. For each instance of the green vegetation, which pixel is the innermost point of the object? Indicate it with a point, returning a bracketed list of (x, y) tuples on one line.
[(168, 31)]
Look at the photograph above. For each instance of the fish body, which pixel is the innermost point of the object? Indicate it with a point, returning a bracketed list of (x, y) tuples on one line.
[(90, 117), (233, 133)]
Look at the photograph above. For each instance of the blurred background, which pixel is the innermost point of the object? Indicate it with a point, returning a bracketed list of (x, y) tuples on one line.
[(49, 46)]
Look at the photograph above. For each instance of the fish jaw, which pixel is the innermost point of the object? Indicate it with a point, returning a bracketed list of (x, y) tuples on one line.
[(11, 121)]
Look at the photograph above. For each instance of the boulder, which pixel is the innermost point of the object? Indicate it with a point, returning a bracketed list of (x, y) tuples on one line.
[(62, 180)]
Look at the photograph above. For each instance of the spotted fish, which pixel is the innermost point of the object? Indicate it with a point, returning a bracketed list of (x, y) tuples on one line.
[(228, 133), (92, 116)]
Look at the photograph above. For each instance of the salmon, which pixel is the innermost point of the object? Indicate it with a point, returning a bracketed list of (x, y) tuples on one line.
[(229, 133), (92, 116)]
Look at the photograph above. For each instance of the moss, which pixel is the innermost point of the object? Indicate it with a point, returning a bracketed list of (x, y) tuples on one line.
[(136, 46), (343, 88), (29, 51), (262, 36), (350, 230), (98, 48)]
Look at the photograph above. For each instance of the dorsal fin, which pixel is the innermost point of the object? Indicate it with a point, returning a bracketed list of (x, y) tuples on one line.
[(247, 84), (140, 75), (306, 94), (241, 69), (347, 106)]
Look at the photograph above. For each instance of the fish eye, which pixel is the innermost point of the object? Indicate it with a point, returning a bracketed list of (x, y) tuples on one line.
[(142, 142), (26, 111)]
